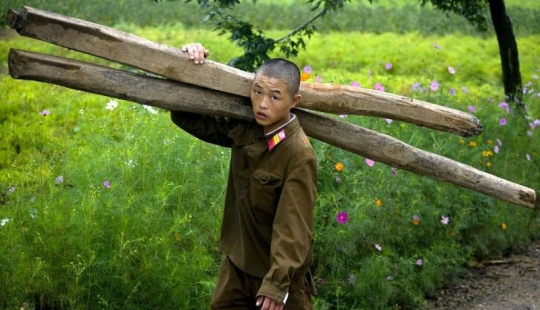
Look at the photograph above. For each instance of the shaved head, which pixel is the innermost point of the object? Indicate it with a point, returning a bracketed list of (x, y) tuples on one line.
[(284, 71)]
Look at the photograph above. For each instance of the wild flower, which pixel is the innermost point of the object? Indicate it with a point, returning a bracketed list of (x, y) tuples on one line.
[(502, 121), (304, 76), (472, 109), (434, 85), (352, 279), (393, 171), (339, 166), (342, 217), (505, 106), (355, 84), (503, 226), (111, 104), (496, 149), (378, 202), (342, 116), (389, 278), (452, 91), (45, 112), (81, 111), (528, 157), (378, 247), (337, 179), (419, 262), (488, 164), (388, 66), (59, 179), (487, 153), (499, 142), (445, 220), (370, 162), (472, 144), (436, 46), (416, 220), (451, 70), (4, 221), (150, 109), (11, 190), (307, 69), (107, 184), (378, 87), (461, 141), (535, 76), (416, 86), (318, 79), (464, 90), (388, 120)]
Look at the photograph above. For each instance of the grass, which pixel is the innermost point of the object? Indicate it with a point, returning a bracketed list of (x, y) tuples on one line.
[(150, 239)]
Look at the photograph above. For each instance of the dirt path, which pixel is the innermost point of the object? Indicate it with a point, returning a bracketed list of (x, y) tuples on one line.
[(512, 283)]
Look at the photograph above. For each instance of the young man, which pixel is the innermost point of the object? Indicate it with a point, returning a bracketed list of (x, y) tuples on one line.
[(267, 225)]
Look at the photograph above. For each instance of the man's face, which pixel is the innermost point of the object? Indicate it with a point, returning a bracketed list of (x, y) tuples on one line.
[(271, 102)]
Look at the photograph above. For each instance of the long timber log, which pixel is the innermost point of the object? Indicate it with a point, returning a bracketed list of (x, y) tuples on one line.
[(137, 52), (173, 95)]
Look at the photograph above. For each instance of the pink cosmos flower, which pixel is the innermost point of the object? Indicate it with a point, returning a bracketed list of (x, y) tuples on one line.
[(307, 69), (388, 120), (420, 262), (388, 66), (452, 91), (496, 149), (378, 87), (370, 162), (107, 184), (342, 217), (502, 121), (415, 86), (505, 106), (434, 85), (472, 109), (445, 220), (45, 112), (318, 79), (355, 84), (378, 247)]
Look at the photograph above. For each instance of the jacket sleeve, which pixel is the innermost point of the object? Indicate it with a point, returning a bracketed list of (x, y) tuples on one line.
[(211, 129), (292, 235)]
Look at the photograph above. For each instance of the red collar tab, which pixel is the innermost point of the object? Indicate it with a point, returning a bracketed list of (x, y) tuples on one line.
[(276, 139)]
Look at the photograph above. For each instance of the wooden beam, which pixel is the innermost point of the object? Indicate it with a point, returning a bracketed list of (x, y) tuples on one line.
[(131, 50), (173, 95)]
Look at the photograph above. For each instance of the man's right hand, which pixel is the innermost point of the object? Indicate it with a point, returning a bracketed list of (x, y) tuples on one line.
[(195, 51)]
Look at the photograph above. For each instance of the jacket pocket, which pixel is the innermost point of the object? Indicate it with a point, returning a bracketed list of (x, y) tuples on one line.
[(266, 190)]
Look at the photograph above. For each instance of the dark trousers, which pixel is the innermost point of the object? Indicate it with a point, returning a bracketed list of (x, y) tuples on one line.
[(238, 290)]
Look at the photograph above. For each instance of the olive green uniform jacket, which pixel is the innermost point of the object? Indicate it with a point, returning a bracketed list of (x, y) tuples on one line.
[(267, 226)]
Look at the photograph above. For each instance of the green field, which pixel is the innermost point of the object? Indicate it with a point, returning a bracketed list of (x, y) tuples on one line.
[(149, 238)]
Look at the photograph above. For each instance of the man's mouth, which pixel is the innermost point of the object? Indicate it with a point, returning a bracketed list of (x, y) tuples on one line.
[(261, 115)]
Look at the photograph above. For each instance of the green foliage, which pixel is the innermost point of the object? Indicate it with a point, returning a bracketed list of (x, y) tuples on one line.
[(473, 10), (150, 239)]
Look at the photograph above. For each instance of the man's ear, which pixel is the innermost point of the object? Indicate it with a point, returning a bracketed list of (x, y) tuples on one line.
[(296, 100)]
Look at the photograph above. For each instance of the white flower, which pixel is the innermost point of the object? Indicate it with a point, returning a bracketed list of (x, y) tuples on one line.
[(4, 221), (111, 105), (150, 109)]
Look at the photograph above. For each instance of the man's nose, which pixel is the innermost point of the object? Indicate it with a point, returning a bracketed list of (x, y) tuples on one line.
[(263, 104)]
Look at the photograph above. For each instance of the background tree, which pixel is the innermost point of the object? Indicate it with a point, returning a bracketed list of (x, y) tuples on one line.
[(474, 12)]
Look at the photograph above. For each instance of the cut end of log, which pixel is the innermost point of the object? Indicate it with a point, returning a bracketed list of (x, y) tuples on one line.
[(13, 19)]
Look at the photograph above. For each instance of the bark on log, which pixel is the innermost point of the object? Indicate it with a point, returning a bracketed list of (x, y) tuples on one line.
[(179, 96), (131, 50)]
